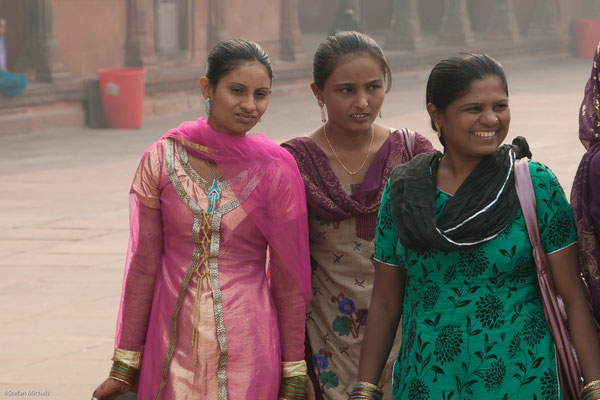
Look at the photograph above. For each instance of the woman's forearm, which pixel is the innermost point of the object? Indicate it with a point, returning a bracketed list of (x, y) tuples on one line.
[(584, 337), (583, 332), (378, 341), (382, 322)]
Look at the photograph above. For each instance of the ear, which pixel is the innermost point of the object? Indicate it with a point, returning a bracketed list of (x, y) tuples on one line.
[(205, 87), (433, 112), (316, 91)]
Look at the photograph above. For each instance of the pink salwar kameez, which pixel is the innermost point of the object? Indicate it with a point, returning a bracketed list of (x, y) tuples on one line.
[(216, 321)]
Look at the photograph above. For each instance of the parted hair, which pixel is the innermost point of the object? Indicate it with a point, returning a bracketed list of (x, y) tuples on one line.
[(344, 43), (228, 54)]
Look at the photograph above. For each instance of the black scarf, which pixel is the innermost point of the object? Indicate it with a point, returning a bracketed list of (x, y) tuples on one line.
[(480, 209)]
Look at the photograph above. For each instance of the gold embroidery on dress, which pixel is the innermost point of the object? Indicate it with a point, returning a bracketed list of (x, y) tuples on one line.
[(205, 235), (194, 145), (586, 245), (209, 254)]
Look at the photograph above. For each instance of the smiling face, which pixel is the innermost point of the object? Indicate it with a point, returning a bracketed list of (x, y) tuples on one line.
[(476, 123), (239, 99), (354, 92)]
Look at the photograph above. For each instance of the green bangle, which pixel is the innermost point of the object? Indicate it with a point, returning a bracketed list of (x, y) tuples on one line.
[(293, 388)]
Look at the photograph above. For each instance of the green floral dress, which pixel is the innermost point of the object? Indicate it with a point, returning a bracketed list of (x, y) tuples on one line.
[(473, 326)]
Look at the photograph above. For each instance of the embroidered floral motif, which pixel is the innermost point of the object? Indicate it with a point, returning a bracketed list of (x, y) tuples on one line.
[(550, 385), (447, 344), (494, 377), (430, 296), (346, 306), (361, 316), (418, 390), (352, 319), (490, 311), (385, 220), (472, 263), (410, 338), (450, 274), (521, 270), (535, 328), (320, 361), (327, 379), (515, 345), (560, 227)]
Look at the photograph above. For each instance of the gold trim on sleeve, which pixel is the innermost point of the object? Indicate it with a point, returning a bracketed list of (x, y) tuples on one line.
[(293, 368), (130, 358)]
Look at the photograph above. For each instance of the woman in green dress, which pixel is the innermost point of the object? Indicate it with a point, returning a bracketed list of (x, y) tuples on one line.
[(453, 258)]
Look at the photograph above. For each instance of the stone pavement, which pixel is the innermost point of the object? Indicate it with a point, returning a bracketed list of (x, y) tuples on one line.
[(64, 204)]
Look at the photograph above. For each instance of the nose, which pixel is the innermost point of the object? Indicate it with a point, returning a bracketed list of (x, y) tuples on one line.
[(490, 118), (248, 104), (361, 101)]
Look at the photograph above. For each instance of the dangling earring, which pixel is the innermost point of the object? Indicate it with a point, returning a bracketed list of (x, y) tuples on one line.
[(207, 105), (380, 116), (321, 104), (437, 129)]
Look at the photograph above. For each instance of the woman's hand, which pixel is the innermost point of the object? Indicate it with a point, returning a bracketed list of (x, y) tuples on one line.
[(110, 389)]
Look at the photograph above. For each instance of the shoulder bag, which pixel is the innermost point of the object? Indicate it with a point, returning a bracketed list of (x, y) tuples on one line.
[(569, 371)]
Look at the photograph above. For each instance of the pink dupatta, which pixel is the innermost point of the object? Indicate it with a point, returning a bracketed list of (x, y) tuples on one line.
[(266, 180)]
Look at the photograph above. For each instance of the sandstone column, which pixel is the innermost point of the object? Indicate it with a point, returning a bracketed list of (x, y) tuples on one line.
[(456, 26), (405, 27), (290, 35), (139, 45), (544, 21), (503, 24)]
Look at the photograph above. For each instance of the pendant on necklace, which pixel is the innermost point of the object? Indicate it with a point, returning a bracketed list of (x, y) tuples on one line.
[(214, 195)]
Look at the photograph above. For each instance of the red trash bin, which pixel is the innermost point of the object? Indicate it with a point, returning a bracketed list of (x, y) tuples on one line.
[(122, 92), (587, 36)]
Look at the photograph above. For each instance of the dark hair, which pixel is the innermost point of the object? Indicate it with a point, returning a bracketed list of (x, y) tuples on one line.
[(344, 43), (228, 54), (451, 78)]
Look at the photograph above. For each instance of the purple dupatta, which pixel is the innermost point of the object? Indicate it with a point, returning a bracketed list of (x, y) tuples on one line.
[(585, 194), (324, 193)]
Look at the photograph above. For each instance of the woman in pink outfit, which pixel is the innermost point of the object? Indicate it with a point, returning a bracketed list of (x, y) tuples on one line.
[(217, 271)]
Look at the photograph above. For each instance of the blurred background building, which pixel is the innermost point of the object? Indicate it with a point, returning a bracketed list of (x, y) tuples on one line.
[(60, 44)]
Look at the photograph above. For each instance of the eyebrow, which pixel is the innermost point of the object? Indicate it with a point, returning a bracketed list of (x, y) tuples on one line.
[(241, 84), (352, 83), (475, 103)]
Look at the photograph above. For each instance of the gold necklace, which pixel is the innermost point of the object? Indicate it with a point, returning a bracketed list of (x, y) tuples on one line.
[(340, 161)]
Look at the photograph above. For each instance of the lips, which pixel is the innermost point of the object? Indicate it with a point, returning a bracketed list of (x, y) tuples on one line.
[(247, 117), (359, 115)]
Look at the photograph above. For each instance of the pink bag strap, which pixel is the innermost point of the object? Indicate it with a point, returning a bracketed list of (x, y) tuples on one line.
[(568, 366), (524, 187), (409, 141)]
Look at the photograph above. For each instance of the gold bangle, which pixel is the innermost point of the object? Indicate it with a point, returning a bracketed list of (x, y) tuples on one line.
[(370, 385), (130, 358), (120, 380), (290, 369)]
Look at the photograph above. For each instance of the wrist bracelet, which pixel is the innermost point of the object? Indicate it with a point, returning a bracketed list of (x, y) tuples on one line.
[(123, 373), (366, 391), (591, 391), (293, 388)]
